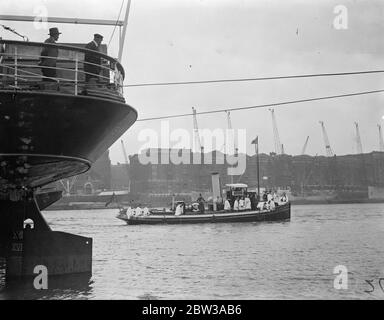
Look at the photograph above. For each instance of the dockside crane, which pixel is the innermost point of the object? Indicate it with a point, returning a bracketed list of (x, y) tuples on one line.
[(198, 142), (68, 184), (233, 140), (381, 141), (305, 146), (359, 146), (232, 133), (328, 149), (126, 165), (279, 148)]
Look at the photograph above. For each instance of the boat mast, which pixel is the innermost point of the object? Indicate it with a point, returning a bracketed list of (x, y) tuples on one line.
[(256, 143)]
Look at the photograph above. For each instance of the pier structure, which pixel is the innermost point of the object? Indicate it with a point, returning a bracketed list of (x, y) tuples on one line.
[(51, 128)]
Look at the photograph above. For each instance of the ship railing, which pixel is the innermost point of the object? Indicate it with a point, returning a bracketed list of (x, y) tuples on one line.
[(20, 68)]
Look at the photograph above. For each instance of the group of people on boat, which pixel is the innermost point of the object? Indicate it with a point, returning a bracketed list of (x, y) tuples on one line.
[(135, 212), (271, 200), (240, 203), (251, 201), (49, 55)]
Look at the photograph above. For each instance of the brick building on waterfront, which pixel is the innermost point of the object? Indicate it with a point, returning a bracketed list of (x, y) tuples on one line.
[(348, 172), (298, 173)]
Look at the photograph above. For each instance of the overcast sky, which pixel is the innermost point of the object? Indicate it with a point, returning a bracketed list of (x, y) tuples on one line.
[(191, 40)]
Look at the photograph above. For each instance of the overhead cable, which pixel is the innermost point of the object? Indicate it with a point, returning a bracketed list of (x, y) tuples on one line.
[(254, 79), (266, 105)]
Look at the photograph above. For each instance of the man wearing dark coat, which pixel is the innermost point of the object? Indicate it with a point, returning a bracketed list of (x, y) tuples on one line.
[(253, 201), (49, 56), (92, 61), (200, 201)]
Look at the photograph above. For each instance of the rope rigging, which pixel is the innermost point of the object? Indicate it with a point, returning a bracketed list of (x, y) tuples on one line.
[(117, 21)]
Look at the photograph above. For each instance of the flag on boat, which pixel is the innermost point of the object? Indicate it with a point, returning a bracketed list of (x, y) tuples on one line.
[(256, 143)]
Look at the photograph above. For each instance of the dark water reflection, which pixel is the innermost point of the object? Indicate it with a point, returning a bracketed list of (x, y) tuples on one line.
[(289, 260)]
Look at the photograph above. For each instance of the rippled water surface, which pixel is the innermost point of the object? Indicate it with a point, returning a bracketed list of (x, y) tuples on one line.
[(288, 260)]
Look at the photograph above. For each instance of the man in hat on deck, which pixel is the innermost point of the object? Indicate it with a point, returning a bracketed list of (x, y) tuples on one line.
[(92, 61), (49, 56)]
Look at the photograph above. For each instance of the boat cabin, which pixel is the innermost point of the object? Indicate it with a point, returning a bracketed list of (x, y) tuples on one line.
[(235, 190)]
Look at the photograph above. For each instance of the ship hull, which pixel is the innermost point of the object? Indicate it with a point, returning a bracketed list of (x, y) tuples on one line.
[(46, 198), (45, 137)]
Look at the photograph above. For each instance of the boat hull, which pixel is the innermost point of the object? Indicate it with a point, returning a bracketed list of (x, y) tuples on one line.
[(281, 213)]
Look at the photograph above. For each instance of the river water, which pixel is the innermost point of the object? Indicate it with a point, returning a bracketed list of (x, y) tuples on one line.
[(280, 260)]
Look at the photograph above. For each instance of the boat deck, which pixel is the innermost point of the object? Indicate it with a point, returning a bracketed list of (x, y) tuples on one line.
[(20, 70)]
